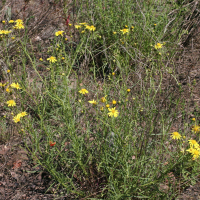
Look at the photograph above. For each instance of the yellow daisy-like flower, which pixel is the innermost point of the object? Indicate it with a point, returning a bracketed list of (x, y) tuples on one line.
[(114, 102), (103, 99), (107, 106), (124, 31), (93, 102), (41, 59), (128, 90), (195, 128), (158, 46), (193, 143), (193, 119), (52, 59), (8, 71), (12, 38), (23, 114), (3, 21), (92, 28), (16, 119), (77, 26), (195, 154), (190, 150), (175, 135), (113, 73), (102, 108), (19, 26), (83, 91), (114, 32), (19, 21), (11, 21), (7, 90), (16, 85), (113, 112), (11, 103), (59, 33)]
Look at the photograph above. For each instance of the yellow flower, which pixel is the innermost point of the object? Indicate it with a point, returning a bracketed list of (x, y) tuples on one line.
[(16, 119), (101, 108), (7, 90), (132, 27), (195, 128), (59, 33), (16, 85), (83, 31), (11, 103), (66, 39), (23, 114), (8, 71), (158, 46), (19, 21), (77, 26), (103, 99), (11, 21), (4, 32), (52, 59), (93, 102), (155, 24), (193, 119), (175, 135), (113, 73), (83, 91), (114, 102), (128, 90), (91, 28), (114, 32), (3, 21), (190, 150), (193, 143), (195, 154), (70, 24), (124, 31), (113, 112), (63, 58), (19, 26), (41, 59), (107, 106)]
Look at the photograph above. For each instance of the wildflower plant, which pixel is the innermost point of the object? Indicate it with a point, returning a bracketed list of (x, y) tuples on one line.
[(111, 140)]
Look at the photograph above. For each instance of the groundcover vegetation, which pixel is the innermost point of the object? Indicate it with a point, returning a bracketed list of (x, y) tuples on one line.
[(104, 113)]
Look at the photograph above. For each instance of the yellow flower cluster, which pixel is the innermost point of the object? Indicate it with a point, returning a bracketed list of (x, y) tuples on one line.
[(4, 32), (194, 149), (90, 28), (18, 117), (112, 111), (19, 24)]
